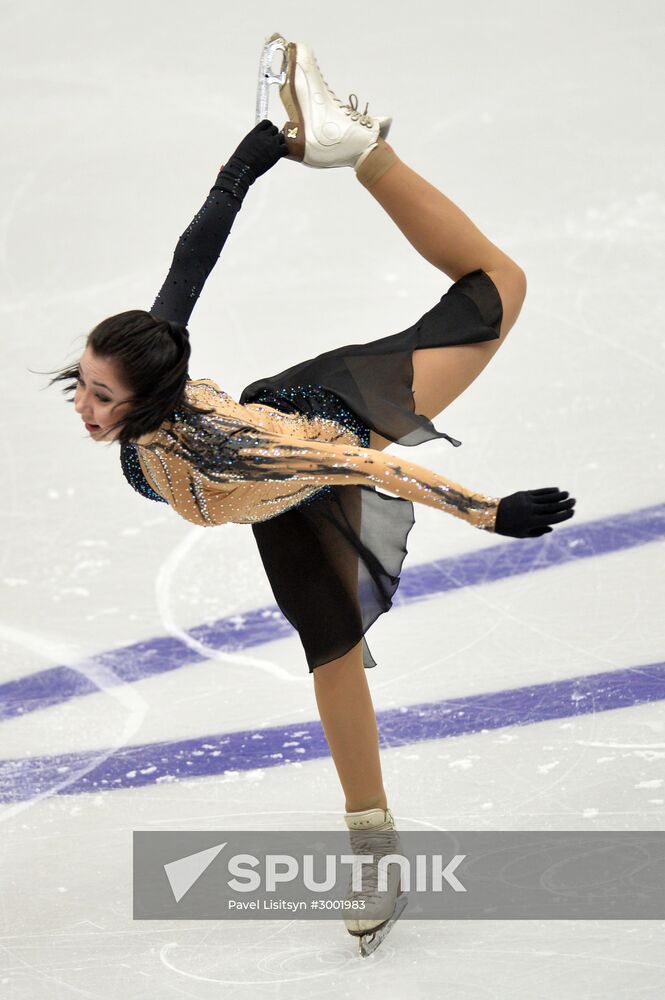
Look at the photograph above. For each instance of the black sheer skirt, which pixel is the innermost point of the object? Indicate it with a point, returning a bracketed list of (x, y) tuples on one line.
[(334, 561)]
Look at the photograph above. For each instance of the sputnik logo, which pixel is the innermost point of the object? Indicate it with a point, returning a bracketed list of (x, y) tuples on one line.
[(183, 873)]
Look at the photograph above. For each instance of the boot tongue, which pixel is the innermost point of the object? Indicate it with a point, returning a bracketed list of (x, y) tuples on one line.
[(384, 125)]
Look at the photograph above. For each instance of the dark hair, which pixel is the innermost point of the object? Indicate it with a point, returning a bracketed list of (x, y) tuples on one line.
[(152, 358)]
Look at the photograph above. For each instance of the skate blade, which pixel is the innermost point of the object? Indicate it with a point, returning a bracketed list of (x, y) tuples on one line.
[(370, 942), (267, 76)]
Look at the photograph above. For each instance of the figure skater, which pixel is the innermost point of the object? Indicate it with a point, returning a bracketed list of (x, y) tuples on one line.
[(300, 455)]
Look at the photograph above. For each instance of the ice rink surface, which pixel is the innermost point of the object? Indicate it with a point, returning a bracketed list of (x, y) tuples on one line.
[(136, 648)]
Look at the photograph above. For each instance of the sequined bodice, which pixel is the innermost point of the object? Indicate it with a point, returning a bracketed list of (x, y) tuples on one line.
[(315, 401), (133, 473), (311, 403)]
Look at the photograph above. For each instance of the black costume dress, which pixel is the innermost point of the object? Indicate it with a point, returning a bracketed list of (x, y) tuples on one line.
[(333, 559)]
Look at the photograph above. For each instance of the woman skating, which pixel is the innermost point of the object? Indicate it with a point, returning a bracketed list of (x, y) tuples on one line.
[(300, 455)]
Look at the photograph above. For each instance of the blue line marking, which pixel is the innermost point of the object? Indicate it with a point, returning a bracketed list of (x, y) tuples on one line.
[(204, 756), (56, 685)]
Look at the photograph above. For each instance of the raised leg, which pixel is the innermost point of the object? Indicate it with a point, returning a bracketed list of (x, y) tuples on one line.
[(449, 240)]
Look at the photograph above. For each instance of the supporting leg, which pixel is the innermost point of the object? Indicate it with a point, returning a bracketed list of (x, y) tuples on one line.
[(340, 686), (347, 714)]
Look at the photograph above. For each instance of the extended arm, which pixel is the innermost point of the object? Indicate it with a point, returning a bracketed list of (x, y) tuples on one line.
[(200, 245), (317, 462), (525, 514)]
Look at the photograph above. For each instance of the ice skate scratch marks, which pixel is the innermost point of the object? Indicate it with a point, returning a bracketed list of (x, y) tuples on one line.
[(473, 569), (232, 754), (588, 958), (104, 679), (581, 325), (620, 746), (278, 960), (164, 584)]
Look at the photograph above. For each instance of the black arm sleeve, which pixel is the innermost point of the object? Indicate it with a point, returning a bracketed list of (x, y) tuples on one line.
[(196, 254)]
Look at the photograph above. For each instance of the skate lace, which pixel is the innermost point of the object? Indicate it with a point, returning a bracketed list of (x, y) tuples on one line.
[(377, 844), (351, 106), (351, 109)]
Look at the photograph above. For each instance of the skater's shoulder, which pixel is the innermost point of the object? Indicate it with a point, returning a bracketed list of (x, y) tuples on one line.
[(208, 391), (202, 386)]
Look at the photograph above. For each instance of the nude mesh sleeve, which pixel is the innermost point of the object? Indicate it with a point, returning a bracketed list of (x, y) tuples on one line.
[(224, 450), (319, 463)]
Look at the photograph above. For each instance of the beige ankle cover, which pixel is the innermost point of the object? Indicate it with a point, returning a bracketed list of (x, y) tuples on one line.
[(375, 164)]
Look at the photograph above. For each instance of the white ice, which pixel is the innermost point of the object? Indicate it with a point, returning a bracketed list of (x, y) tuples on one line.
[(544, 123)]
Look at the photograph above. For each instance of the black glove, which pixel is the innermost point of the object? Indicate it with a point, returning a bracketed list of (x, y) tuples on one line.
[(259, 151), (529, 513)]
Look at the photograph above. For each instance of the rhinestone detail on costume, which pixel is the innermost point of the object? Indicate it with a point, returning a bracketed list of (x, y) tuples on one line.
[(129, 462), (322, 403), (328, 407), (247, 462)]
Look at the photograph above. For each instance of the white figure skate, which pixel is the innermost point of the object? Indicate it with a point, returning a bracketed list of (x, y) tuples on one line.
[(321, 131), (373, 832)]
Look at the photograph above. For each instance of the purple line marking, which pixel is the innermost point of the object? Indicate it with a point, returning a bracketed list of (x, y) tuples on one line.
[(56, 685), (205, 756)]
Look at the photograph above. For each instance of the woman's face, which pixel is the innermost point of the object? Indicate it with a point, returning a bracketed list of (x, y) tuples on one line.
[(100, 398)]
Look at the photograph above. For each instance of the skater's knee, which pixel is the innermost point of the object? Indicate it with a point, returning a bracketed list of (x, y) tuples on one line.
[(520, 282), (510, 282)]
